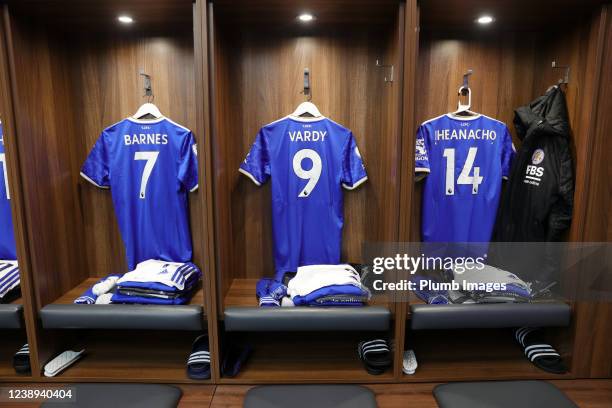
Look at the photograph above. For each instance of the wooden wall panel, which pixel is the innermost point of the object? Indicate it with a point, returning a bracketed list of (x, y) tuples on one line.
[(75, 87), (409, 49), (258, 77), (107, 88), (50, 191), (7, 115), (511, 68), (503, 65), (503, 73), (593, 326), (203, 94)]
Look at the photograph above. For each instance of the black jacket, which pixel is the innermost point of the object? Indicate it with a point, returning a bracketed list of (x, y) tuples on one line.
[(538, 199)]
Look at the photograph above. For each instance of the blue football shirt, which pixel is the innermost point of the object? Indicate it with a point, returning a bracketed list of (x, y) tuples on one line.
[(309, 161), (466, 158), (7, 237), (150, 166)]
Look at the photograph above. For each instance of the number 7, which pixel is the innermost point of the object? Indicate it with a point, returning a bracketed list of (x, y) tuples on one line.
[(151, 158), (3, 160)]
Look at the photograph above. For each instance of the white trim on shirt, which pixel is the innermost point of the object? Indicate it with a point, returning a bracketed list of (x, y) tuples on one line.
[(355, 185), (93, 182), (249, 175)]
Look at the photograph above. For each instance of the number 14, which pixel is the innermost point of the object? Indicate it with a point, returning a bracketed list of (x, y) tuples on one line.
[(464, 177)]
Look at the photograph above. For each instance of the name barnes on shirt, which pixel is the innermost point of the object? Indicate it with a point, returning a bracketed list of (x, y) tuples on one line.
[(145, 139)]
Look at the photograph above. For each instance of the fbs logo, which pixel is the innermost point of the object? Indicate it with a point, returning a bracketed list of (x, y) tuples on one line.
[(537, 157)]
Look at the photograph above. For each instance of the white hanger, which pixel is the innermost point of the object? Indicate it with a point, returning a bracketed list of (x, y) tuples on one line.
[(307, 109), (464, 110), (147, 109)]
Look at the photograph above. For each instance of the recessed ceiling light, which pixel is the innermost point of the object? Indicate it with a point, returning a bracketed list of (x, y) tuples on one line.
[(305, 17), (485, 19), (125, 19)]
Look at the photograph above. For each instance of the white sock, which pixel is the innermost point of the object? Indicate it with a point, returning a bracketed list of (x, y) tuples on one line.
[(105, 286), (104, 299), (287, 302)]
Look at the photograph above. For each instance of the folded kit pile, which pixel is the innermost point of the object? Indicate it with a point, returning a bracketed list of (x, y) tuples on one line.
[(152, 282), (315, 285), (9, 280)]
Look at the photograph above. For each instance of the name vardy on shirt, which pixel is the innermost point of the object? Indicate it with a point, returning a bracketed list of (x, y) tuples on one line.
[(307, 135)]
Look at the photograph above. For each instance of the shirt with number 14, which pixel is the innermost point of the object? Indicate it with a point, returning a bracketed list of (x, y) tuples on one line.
[(466, 158)]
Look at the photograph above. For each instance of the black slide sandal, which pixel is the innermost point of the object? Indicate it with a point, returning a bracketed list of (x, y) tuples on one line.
[(375, 355), (235, 357), (540, 353), (21, 360)]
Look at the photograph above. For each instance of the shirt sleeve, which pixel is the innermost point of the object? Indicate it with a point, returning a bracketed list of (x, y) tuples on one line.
[(96, 166), (353, 170), (256, 165), (508, 153), (188, 165), (421, 156), (560, 217)]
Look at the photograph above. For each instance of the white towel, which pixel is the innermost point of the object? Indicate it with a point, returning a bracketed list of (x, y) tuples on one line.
[(313, 277), (173, 274)]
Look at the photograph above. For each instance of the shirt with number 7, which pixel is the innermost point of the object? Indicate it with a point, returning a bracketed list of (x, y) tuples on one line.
[(465, 159), (309, 161), (149, 166)]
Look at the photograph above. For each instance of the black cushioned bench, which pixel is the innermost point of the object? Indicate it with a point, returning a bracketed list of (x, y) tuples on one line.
[(11, 316), (309, 396), (121, 395), (501, 394), (140, 317), (374, 318), (494, 315)]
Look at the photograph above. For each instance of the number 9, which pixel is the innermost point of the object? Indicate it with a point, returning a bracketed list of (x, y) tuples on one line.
[(311, 175)]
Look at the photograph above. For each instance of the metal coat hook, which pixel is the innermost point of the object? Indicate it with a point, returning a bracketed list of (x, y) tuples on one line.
[(465, 87), (565, 78), (464, 90), (148, 87), (307, 91), (388, 78)]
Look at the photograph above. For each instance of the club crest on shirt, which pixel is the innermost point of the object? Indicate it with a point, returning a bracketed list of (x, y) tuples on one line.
[(537, 157), (420, 147)]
